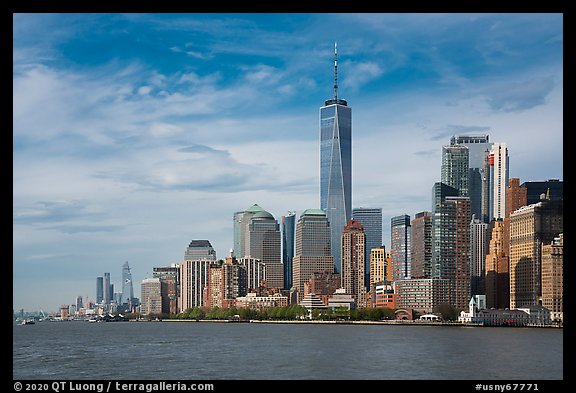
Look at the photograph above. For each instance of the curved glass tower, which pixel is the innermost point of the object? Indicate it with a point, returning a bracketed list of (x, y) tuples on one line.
[(336, 165)]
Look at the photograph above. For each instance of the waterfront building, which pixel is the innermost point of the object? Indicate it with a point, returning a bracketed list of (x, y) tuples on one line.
[(323, 284), (341, 299), (479, 243), (451, 243), (151, 302), (422, 294), (384, 296), (377, 265), (79, 303), (312, 254), (421, 245), (263, 243), (531, 227), (552, 278), (193, 279), (288, 232), (336, 165), (353, 252), (454, 170), (371, 220), (254, 301), (499, 163), (400, 243), (312, 302), (169, 287), (241, 221), (200, 249), (226, 282), (525, 316)]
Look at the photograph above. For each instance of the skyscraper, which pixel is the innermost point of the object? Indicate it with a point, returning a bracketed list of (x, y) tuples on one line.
[(108, 291), (99, 289), (421, 263), (200, 249), (151, 296), (288, 228), (371, 220), (127, 287), (400, 243), (498, 160), (455, 161), (479, 247), (336, 165), (353, 246), (263, 242), (478, 149), (312, 248)]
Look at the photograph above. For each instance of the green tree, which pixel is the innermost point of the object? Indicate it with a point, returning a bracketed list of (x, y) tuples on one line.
[(448, 311)]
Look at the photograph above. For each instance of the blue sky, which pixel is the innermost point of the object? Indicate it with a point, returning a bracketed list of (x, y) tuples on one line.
[(135, 133)]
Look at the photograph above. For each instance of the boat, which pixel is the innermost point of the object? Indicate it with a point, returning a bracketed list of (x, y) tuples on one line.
[(27, 322)]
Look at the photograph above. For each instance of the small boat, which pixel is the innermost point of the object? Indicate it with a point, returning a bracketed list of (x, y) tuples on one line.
[(28, 322)]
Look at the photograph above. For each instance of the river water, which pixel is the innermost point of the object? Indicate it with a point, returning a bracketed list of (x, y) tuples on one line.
[(251, 351)]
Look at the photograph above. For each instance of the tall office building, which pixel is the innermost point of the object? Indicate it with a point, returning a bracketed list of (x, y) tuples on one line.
[(353, 247), (451, 243), (263, 242), (336, 165), (200, 249), (255, 272), (478, 150), (400, 243), (127, 296), (241, 221), (151, 296), (288, 230), (371, 220), (99, 289), (531, 227), (193, 279), (479, 243), (497, 278), (454, 171), (378, 265), (108, 289), (169, 287), (421, 248), (312, 248), (499, 162)]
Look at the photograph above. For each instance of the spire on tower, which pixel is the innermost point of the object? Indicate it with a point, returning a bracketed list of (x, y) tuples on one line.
[(335, 72)]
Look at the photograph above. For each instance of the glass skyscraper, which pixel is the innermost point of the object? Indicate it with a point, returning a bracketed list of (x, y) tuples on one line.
[(127, 287), (288, 226), (400, 243), (371, 220), (336, 166)]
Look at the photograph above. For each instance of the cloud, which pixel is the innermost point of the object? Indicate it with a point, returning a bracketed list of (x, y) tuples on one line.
[(520, 96), (359, 73)]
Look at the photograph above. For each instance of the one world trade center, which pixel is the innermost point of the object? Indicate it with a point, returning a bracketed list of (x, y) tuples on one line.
[(336, 165)]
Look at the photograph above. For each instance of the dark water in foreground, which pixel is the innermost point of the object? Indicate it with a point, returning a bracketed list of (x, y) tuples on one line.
[(224, 351)]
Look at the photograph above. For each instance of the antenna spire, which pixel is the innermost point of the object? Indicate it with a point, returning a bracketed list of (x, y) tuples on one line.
[(335, 72)]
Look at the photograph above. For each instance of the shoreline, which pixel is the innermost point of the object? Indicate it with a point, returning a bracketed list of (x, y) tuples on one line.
[(323, 322)]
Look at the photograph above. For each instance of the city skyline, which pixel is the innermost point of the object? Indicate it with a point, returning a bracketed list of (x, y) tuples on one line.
[(132, 152)]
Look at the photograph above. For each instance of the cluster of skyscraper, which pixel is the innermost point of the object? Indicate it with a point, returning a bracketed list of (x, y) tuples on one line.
[(485, 234), (116, 301)]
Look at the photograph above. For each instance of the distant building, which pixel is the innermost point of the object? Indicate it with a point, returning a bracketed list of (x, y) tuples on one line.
[(552, 189), (255, 272), (353, 252), (126, 301), (253, 301), (371, 220), (384, 296), (497, 279), (108, 289), (499, 173), (99, 289), (341, 299), (226, 282), (479, 242), (525, 316), (312, 302), (151, 298), (263, 242), (193, 279), (455, 164)]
